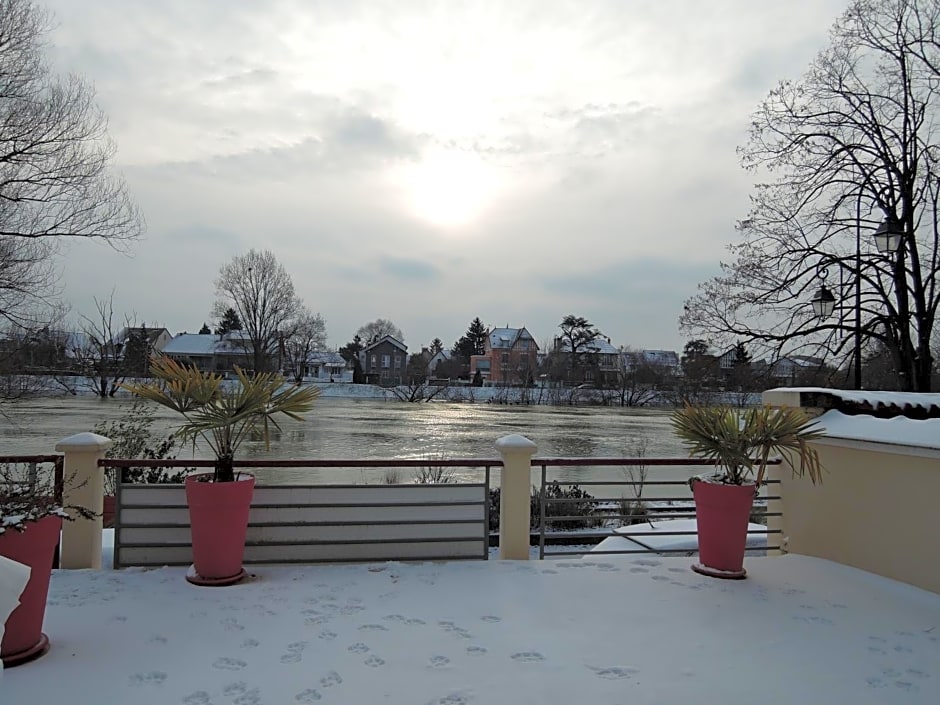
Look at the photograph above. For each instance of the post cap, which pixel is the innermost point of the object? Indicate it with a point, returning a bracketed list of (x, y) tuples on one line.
[(514, 443), (85, 442)]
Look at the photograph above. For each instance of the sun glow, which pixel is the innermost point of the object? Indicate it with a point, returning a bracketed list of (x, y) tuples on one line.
[(449, 188)]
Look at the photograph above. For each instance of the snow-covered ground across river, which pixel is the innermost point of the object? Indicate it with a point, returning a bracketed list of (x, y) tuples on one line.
[(606, 630)]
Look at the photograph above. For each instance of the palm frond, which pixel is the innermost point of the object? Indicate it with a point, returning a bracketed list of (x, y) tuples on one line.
[(742, 444)]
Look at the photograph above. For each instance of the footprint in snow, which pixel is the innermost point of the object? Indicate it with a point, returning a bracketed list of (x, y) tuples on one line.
[(149, 678), (229, 664), (615, 673), (527, 657), (308, 696), (374, 661), (200, 697), (438, 661), (358, 648), (330, 679)]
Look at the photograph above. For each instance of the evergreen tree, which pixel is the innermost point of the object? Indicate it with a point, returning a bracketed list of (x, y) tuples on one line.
[(205, 330), (473, 342), (350, 351), (229, 322), (436, 346)]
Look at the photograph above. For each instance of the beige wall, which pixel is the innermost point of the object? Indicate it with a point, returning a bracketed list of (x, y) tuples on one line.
[(877, 510)]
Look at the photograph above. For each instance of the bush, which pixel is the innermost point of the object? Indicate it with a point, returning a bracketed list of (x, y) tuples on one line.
[(580, 504), (632, 511), (132, 437)]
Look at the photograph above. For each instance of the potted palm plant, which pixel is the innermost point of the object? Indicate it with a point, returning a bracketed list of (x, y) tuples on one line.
[(223, 416), (740, 444), (30, 525)]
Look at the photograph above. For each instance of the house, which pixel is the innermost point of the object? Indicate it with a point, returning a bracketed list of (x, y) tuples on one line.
[(210, 352), (157, 338), (439, 359), (510, 357), (794, 368), (384, 361), (326, 366), (666, 361), (597, 362)]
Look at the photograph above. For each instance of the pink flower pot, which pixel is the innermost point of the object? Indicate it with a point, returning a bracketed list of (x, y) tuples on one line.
[(218, 517), (721, 514), (23, 639)]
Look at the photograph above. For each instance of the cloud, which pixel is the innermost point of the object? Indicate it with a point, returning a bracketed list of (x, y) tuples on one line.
[(410, 270), (610, 136)]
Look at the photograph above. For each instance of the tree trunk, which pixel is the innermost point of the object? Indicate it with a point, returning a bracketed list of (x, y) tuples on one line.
[(225, 469)]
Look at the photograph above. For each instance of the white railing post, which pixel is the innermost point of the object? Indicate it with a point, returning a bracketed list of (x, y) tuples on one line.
[(514, 506), (84, 487)]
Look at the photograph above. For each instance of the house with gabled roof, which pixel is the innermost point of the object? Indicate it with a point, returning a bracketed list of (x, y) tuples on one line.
[(384, 361), (510, 357), (210, 352), (597, 361)]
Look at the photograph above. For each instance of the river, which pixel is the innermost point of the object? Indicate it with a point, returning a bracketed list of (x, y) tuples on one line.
[(356, 428)]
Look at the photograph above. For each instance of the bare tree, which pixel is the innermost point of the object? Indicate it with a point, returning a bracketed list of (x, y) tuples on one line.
[(378, 329), (54, 151), (98, 354), (261, 291), (308, 335), (55, 180), (850, 145)]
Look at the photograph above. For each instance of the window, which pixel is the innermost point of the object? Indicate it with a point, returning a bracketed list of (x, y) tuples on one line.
[(505, 358), (386, 361), (374, 363), (398, 362)]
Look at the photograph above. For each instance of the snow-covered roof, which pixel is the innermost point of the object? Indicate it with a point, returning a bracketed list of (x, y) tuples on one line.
[(899, 430), (599, 345), (232, 343), (506, 337), (325, 357), (914, 405), (387, 339)]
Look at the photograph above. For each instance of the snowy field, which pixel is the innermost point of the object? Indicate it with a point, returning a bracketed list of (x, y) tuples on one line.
[(611, 630)]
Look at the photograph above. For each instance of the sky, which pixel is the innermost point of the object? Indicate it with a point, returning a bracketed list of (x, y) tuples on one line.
[(431, 162)]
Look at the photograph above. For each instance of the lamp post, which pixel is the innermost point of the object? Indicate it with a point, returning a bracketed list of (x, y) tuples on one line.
[(888, 238)]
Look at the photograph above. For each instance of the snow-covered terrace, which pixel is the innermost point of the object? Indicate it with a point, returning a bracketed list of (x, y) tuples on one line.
[(610, 630)]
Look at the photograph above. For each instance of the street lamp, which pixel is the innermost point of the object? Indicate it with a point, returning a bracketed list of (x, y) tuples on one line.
[(888, 235), (888, 238), (823, 302)]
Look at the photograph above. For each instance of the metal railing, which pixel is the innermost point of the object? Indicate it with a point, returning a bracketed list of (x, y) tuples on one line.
[(599, 515), (339, 522), (596, 512)]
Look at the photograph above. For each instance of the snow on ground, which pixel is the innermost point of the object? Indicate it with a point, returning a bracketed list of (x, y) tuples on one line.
[(617, 630)]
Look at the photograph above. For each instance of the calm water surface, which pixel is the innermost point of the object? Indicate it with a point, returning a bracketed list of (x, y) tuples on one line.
[(353, 428)]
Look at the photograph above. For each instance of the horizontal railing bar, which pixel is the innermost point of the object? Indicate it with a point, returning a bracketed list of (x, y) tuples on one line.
[(656, 517), (302, 524), (338, 542), (403, 462), (554, 462), (595, 500), (299, 561), (360, 463), (29, 458), (363, 505), (631, 483), (417, 486), (596, 534), (647, 552)]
